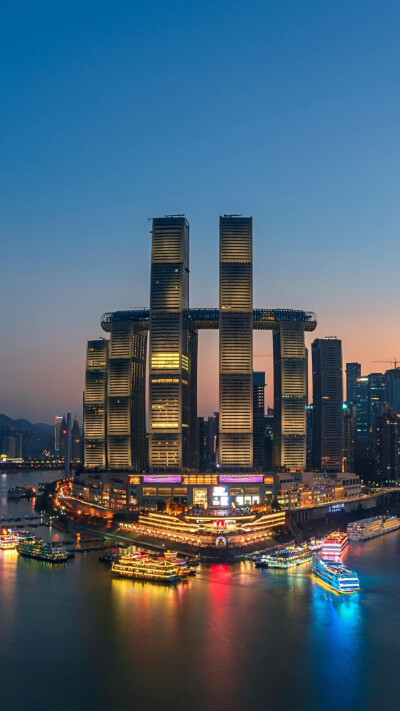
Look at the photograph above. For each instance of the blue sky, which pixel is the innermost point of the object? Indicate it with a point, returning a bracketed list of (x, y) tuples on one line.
[(114, 113)]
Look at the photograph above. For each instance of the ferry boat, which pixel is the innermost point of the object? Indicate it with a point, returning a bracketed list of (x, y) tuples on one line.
[(8, 540), (336, 576), (286, 558), (21, 492), (335, 547), (140, 566), (315, 544), (372, 527), (182, 563), (41, 550)]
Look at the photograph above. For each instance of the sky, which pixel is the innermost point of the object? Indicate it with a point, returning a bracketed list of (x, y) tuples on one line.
[(112, 113)]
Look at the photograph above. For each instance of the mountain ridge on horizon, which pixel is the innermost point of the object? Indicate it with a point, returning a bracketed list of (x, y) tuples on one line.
[(22, 424)]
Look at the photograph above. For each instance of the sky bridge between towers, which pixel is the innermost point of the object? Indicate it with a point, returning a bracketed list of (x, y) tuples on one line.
[(208, 318)]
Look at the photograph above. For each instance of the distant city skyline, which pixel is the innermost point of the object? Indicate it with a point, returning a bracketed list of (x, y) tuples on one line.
[(298, 129)]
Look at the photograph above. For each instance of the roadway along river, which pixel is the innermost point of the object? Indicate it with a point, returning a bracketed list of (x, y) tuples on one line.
[(230, 638)]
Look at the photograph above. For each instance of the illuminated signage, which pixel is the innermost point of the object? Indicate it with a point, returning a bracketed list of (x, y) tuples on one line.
[(162, 479), (241, 479), (336, 507)]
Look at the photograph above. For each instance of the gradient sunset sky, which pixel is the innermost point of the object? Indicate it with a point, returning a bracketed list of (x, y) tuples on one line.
[(116, 112)]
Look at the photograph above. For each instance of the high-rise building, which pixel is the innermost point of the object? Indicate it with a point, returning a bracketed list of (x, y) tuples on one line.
[(353, 372), (387, 445), (328, 404), (376, 396), (258, 420), (75, 441), (169, 345), (8, 446), (94, 407), (57, 426), (63, 439), (204, 462), (290, 396), (269, 438), (309, 424), (392, 389), (349, 437), (236, 343)]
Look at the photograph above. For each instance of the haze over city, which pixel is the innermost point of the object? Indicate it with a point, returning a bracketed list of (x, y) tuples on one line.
[(286, 112)]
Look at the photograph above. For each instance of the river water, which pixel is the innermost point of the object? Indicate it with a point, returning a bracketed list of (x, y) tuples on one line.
[(233, 637)]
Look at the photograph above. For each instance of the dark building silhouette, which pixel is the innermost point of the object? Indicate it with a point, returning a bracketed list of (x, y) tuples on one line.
[(392, 389), (387, 446), (327, 437), (75, 441), (63, 439), (353, 372), (309, 421), (258, 420), (269, 422), (349, 437)]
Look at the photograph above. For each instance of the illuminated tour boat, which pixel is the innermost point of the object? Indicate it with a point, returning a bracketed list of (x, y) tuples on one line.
[(21, 492), (182, 563), (286, 558), (140, 566), (372, 527), (336, 576), (8, 540), (335, 547), (41, 550)]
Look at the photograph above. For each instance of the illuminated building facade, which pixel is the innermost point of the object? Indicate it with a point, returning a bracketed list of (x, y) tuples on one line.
[(290, 395), (94, 405), (169, 346), (259, 420), (57, 427), (236, 342), (115, 437)]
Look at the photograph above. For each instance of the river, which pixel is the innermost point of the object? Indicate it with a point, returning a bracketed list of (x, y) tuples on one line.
[(233, 637)]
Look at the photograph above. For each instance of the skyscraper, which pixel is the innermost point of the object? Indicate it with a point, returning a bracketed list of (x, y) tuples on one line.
[(169, 345), (392, 389), (63, 439), (376, 396), (75, 441), (349, 437), (94, 406), (259, 420), (236, 342), (57, 426), (387, 445), (290, 396), (353, 372), (328, 404)]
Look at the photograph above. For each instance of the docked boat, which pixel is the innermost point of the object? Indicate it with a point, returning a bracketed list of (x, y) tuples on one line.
[(285, 558), (41, 550), (315, 544), (335, 575), (372, 527), (335, 547), (140, 566), (110, 556), (182, 563), (8, 540), (21, 492)]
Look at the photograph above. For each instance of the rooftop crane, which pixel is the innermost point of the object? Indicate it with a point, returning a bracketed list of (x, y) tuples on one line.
[(394, 361)]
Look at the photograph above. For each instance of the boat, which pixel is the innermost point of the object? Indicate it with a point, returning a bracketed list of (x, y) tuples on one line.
[(41, 550), (8, 540), (140, 566), (336, 576), (372, 527), (110, 556), (286, 558), (315, 544), (21, 492), (335, 547), (183, 563)]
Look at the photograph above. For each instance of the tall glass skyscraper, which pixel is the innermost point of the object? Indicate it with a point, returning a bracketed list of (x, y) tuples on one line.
[(236, 342), (328, 404), (169, 345)]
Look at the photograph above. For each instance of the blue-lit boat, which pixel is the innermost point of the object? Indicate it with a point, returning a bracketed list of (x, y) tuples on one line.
[(336, 576)]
